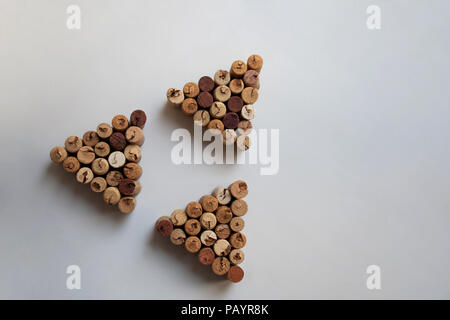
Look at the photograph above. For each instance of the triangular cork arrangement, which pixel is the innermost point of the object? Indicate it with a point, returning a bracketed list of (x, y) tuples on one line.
[(107, 159), (211, 228), (225, 103)]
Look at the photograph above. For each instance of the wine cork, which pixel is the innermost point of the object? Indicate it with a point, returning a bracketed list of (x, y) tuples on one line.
[(209, 203), (127, 204), (222, 93), (192, 227), (86, 155), (113, 178), (133, 153), (222, 77), (102, 149), (202, 116), (220, 266), (208, 220), (222, 195), (84, 175), (189, 106), (236, 86), (235, 104), (244, 127), (175, 96), (135, 135), (129, 187), (164, 226), (100, 166), (223, 231), (236, 256), (98, 184), (205, 100), (251, 79), (206, 256), (238, 69), (229, 136), (58, 154), (138, 118), (231, 120), (178, 217), (222, 247), (238, 240), (218, 109), (120, 123), (193, 244), (90, 138), (206, 84), (237, 224), (132, 170), (191, 90), (224, 214), (235, 274), (243, 142), (249, 95), (216, 124), (239, 207), (248, 112), (117, 141), (194, 209), (71, 164), (111, 195), (208, 238), (73, 144), (104, 130), (255, 62), (238, 189), (116, 159), (178, 237)]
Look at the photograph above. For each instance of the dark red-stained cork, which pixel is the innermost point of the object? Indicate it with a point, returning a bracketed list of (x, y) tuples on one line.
[(235, 274), (127, 187), (231, 120), (164, 226), (138, 118), (205, 99), (117, 141), (206, 256), (235, 104), (206, 84)]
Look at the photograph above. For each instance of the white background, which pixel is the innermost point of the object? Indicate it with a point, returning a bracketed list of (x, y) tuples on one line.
[(364, 147)]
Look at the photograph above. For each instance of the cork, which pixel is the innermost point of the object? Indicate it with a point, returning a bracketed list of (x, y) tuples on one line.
[(237, 224), (189, 106), (202, 116), (208, 220), (58, 154), (244, 127), (218, 109), (205, 100), (132, 170), (249, 95), (216, 124), (229, 136), (222, 93), (192, 227), (85, 175), (236, 256), (191, 90), (86, 155), (223, 231), (194, 209), (206, 256), (178, 217), (116, 159), (138, 118), (90, 138), (255, 62), (111, 195), (129, 187), (133, 153), (135, 135), (175, 96), (73, 144), (235, 274), (120, 123), (127, 204), (117, 141), (209, 203), (104, 130), (238, 240), (251, 79), (231, 120), (100, 166), (102, 149), (248, 112), (71, 164), (178, 237), (222, 77), (98, 184), (238, 69), (113, 178), (243, 142), (239, 207), (208, 238), (238, 189), (193, 244), (222, 195), (220, 266), (224, 214), (164, 226), (235, 104), (222, 247), (206, 84), (236, 86)]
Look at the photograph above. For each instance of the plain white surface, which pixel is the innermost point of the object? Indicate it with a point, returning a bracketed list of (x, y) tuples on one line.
[(364, 147)]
